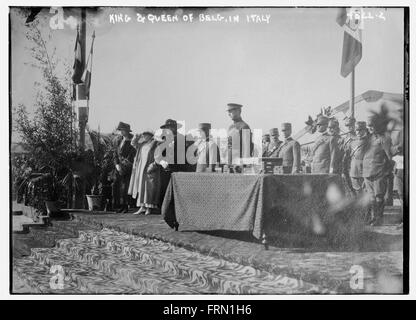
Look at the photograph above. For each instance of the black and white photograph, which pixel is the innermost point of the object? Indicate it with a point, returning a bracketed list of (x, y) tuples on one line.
[(208, 150)]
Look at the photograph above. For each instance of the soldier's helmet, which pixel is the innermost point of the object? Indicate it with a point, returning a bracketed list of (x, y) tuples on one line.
[(286, 126), (349, 121), (322, 120), (360, 125), (274, 132), (333, 123)]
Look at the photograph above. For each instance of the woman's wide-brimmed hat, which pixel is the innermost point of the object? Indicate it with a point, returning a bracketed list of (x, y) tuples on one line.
[(170, 123), (148, 132)]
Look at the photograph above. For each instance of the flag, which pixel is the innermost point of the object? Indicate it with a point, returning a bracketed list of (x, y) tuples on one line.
[(78, 68), (352, 47), (86, 76), (34, 11)]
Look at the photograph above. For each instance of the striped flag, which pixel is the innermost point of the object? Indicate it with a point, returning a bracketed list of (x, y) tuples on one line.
[(78, 68), (352, 47), (86, 77)]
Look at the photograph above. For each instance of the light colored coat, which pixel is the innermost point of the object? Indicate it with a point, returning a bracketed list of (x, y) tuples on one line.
[(145, 177)]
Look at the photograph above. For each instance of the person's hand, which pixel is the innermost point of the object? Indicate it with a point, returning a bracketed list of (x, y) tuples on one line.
[(135, 138), (164, 164), (118, 167), (331, 170)]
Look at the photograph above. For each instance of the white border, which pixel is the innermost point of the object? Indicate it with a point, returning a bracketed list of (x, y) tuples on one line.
[(4, 138)]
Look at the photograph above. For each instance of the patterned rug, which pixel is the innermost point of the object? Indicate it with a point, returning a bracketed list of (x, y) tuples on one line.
[(111, 262)]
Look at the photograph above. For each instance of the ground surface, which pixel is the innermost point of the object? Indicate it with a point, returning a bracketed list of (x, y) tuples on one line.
[(378, 255)]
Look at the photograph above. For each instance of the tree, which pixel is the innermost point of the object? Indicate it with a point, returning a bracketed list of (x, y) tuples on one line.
[(48, 134)]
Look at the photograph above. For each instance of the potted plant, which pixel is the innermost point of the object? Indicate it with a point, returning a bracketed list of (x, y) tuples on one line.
[(101, 148)]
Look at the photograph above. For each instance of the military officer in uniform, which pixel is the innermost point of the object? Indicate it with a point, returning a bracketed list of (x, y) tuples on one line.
[(376, 167), (289, 151), (265, 144), (345, 147), (239, 135), (324, 151), (355, 151), (275, 143), (333, 130)]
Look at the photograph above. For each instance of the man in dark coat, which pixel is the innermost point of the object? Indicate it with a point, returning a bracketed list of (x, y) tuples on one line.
[(376, 167), (123, 161), (178, 163)]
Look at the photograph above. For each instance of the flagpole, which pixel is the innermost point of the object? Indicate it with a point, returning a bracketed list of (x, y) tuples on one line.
[(352, 102), (83, 33)]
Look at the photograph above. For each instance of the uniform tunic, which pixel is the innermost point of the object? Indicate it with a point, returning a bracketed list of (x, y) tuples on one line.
[(324, 154), (376, 165), (290, 153), (338, 154), (235, 141), (376, 168), (356, 150), (376, 161), (345, 146), (273, 149)]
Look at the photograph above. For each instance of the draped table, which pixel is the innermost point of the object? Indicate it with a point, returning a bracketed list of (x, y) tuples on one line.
[(260, 203)]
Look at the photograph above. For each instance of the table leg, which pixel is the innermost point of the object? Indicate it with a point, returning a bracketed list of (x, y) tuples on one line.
[(176, 226), (264, 241)]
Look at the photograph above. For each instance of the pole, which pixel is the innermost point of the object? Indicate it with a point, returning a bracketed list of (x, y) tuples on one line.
[(352, 102), (83, 40), (79, 198)]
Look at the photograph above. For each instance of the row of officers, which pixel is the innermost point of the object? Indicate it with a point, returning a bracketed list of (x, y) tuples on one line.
[(363, 156)]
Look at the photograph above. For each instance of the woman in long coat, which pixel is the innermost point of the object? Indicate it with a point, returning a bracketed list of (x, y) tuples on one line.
[(145, 177)]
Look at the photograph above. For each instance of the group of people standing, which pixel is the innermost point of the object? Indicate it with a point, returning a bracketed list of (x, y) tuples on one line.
[(140, 174), (363, 156)]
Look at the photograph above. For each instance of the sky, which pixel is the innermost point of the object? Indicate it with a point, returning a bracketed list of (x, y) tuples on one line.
[(280, 71)]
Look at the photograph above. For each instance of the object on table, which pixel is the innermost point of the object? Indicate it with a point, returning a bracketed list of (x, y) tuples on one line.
[(269, 164)]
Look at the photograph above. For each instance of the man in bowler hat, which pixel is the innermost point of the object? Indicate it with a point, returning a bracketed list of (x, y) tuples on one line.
[(123, 161), (179, 163)]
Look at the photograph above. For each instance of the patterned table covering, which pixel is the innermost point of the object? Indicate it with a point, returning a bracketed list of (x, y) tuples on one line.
[(256, 203)]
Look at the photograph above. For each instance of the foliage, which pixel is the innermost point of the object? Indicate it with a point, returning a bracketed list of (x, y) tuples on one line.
[(48, 133), (101, 157)]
